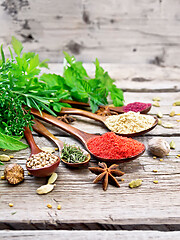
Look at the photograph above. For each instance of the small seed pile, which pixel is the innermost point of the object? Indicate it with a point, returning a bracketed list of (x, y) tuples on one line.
[(42, 159)]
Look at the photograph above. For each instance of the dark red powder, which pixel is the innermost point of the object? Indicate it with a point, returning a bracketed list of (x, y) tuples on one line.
[(112, 146), (136, 106)]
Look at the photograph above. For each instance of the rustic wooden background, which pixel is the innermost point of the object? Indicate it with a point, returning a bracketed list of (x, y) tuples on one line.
[(130, 32)]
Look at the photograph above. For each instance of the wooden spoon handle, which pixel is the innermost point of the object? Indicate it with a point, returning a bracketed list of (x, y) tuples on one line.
[(29, 137), (40, 128), (82, 113), (82, 136)]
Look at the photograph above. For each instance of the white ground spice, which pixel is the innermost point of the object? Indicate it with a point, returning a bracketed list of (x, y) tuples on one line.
[(130, 122), (42, 159)]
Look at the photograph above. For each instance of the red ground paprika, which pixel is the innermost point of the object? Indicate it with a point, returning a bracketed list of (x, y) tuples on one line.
[(112, 146)]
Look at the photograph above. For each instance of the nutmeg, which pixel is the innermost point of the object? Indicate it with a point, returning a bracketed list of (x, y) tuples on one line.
[(158, 147), (14, 173)]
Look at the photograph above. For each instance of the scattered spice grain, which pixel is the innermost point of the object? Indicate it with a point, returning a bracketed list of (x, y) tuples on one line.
[(3, 178), (49, 205), (112, 146), (11, 204), (59, 207), (155, 181)]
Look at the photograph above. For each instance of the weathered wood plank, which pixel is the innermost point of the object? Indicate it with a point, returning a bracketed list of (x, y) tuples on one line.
[(148, 32), (85, 205), (88, 235)]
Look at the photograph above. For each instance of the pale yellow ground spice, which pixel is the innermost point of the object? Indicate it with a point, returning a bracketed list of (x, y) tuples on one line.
[(130, 122)]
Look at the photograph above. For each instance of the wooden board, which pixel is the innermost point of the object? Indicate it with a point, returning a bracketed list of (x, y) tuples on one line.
[(84, 204), (131, 31), (88, 235)]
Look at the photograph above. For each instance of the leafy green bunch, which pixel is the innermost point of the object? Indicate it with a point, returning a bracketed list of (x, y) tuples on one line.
[(20, 75), (80, 87)]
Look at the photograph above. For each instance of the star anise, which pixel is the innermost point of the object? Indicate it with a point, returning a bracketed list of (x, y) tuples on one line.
[(106, 174), (104, 111), (66, 118)]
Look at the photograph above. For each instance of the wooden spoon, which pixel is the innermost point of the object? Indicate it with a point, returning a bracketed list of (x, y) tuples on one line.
[(38, 172), (115, 109), (40, 128), (83, 137), (102, 120)]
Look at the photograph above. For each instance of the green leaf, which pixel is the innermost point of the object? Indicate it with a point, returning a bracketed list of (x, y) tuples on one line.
[(2, 54), (44, 63), (7, 142), (17, 46)]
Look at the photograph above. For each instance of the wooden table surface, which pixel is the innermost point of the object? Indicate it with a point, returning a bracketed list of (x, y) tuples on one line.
[(85, 206)]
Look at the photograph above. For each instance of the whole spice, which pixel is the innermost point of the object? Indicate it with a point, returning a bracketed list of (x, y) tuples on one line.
[(135, 183), (156, 104), (177, 103), (172, 145), (112, 146), (73, 154), (52, 178), (66, 118), (158, 147), (105, 111), (45, 189), (156, 99), (130, 122), (136, 106), (104, 173), (42, 159), (159, 114), (4, 158), (59, 207), (172, 113), (14, 173)]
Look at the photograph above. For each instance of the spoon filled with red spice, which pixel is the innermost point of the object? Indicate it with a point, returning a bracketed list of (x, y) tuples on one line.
[(35, 167), (115, 122), (108, 147), (135, 106)]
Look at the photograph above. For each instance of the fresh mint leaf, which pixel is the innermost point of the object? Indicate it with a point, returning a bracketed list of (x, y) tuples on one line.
[(2, 54), (17, 46), (7, 142)]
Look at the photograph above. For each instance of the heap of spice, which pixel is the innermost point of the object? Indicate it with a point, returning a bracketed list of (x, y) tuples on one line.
[(40, 160), (73, 154), (130, 122), (112, 146), (136, 107)]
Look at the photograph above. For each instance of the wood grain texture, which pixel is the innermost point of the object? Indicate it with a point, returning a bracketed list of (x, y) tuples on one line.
[(88, 235), (130, 31), (84, 204)]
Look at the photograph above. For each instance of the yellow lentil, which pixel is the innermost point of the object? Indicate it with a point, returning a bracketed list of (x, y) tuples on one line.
[(155, 181), (11, 156), (3, 177), (59, 207), (4, 150), (122, 179), (154, 170), (161, 160), (177, 156), (56, 149), (154, 157), (49, 205), (11, 204)]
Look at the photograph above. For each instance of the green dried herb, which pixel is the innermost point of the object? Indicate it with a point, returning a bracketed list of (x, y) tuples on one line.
[(73, 154)]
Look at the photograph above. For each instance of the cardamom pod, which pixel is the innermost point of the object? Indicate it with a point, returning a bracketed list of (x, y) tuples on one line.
[(52, 178), (172, 113), (172, 145), (4, 158), (156, 99), (177, 103), (44, 189), (167, 125), (156, 104), (159, 114), (135, 183)]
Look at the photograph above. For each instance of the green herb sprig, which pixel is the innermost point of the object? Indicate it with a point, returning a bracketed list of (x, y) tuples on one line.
[(73, 154)]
